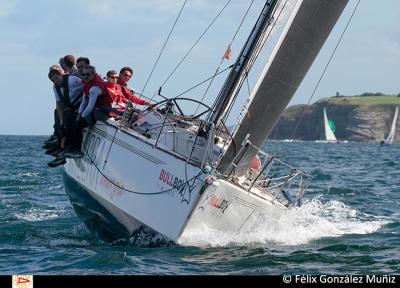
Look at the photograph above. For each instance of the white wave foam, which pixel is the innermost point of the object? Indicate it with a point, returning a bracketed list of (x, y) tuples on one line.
[(28, 174), (68, 242), (55, 187), (35, 214), (313, 221)]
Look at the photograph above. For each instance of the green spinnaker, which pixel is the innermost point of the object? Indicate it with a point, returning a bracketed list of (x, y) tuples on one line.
[(332, 125)]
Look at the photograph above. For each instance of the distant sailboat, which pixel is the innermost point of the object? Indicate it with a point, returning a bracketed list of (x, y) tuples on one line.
[(390, 137), (330, 129)]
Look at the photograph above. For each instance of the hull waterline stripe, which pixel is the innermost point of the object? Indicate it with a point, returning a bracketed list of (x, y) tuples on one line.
[(251, 205)]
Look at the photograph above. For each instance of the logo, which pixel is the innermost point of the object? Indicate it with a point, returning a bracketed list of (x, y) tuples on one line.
[(219, 203), (183, 187), (22, 281)]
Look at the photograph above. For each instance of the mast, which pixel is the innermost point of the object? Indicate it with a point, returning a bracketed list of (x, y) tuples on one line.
[(303, 36), (235, 78)]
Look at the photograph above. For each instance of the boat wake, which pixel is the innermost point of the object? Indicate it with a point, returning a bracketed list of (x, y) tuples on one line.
[(313, 221)]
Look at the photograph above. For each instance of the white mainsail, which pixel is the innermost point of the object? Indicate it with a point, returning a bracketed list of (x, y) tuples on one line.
[(392, 132), (329, 135), (306, 32)]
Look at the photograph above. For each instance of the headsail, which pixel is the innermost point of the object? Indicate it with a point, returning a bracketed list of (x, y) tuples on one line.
[(390, 137), (329, 132), (298, 46)]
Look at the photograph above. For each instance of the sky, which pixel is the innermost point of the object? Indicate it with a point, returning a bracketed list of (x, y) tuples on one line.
[(114, 34)]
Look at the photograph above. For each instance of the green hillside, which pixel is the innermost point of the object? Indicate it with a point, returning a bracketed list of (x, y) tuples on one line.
[(366, 117), (362, 100)]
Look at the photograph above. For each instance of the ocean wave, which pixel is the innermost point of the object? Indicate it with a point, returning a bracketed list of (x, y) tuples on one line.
[(313, 221)]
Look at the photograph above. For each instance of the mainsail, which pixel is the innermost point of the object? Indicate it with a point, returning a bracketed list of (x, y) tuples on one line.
[(301, 40), (329, 132), (390, 137)]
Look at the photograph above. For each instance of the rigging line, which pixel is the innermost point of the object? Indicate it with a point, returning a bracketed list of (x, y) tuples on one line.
[(326, 67), (244, 111), (228, 112), (258, 48), (265, 38), (246, 68), (137, 192), (162, 49), (223, 57), (202, 82), (190, 50), (109, 149)]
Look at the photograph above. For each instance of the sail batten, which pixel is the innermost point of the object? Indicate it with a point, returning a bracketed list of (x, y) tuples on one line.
[(311, 22)]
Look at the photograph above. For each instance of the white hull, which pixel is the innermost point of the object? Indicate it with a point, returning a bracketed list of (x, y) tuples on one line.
[(225, 207), (111, 176), (331, 141), (326, 141)]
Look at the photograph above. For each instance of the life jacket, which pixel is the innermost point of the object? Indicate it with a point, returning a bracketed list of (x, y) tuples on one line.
[(115, 90), (128, 93), (64, 96), (104, 99)]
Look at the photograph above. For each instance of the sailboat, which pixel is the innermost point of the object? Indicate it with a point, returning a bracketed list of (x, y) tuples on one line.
[(329, 129), (390, 137), (163, 172)]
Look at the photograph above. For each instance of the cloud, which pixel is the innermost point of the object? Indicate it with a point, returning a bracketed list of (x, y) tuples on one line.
[(101, 8), (7, 7)]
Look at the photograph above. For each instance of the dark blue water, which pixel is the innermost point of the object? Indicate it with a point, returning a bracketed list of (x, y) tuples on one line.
[(349, 222)]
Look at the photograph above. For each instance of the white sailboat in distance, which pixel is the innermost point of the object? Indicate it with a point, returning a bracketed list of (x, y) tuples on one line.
[(329, 128), (390, 137), (164, 172)]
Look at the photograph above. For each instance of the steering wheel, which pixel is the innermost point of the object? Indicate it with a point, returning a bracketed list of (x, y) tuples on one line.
[(180, 111)]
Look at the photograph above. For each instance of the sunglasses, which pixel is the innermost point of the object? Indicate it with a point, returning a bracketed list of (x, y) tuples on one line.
[(113, 77), (86, 74), (127, 75), (54, 78)]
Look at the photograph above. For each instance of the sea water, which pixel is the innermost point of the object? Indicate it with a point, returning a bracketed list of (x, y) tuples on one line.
[(349, 222)]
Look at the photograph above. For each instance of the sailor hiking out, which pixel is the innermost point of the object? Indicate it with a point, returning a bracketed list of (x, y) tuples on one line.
[(68, 91), (96, 105)]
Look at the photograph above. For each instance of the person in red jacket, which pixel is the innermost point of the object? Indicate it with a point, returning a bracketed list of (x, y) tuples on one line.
[(125, 74), (96, 101), (115, 90)]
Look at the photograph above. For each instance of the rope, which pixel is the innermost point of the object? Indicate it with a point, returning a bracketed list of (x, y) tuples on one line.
[(137, 192), (190, 50), (162, 50)]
